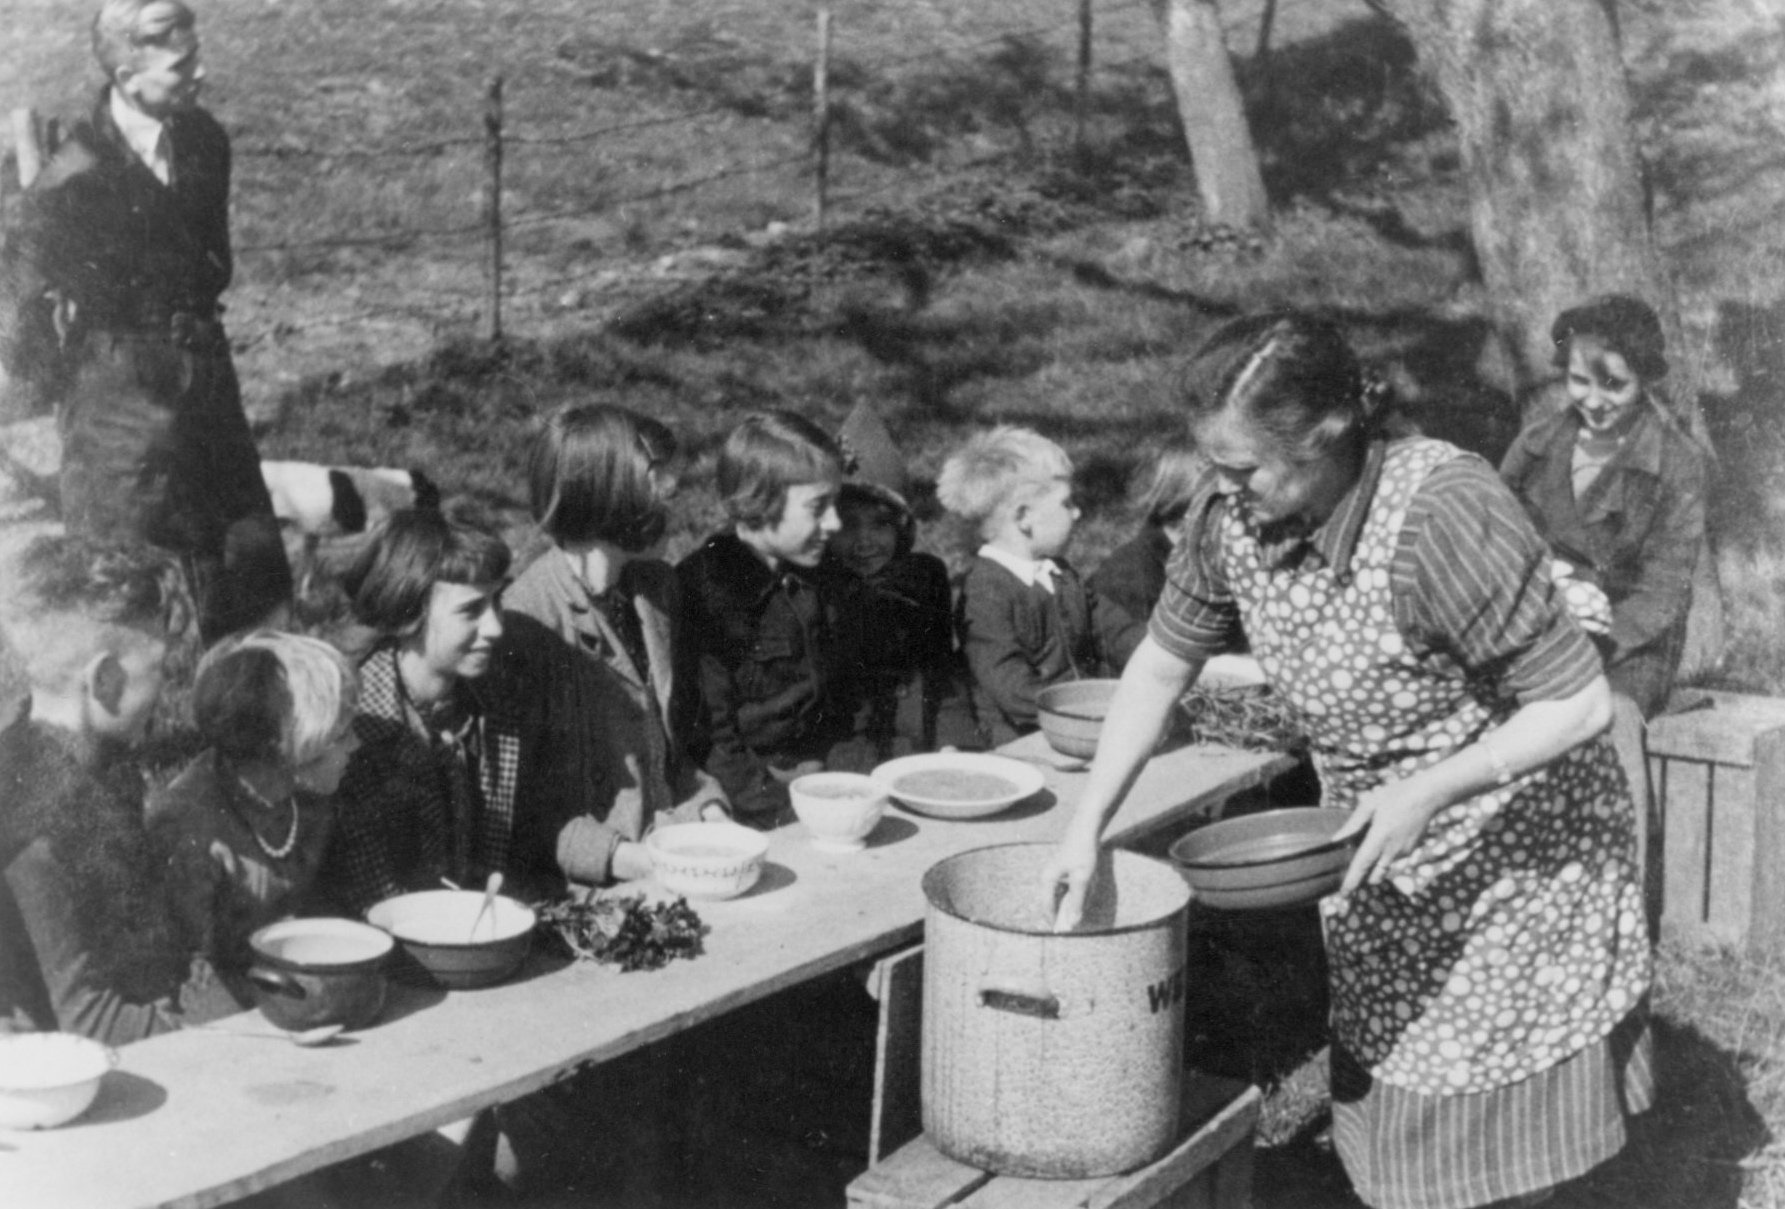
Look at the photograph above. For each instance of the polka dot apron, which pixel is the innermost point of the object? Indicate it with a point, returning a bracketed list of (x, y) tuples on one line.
[(1513, 936)]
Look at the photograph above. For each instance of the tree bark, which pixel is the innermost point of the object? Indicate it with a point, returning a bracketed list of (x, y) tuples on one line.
[(1558, 212), (1225, 160), (1557, 206)]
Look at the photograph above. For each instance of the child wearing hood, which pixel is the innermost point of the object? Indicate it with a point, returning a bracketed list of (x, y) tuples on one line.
[(919, 694)]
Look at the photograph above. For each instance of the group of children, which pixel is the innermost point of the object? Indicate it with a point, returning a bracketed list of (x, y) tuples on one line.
[(540, 725)]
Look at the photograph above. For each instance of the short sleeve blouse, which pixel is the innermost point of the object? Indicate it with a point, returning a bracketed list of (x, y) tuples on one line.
[(1470, 579)]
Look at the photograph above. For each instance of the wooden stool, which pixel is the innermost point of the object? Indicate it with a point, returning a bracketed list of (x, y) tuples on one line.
[(1211, 1168)]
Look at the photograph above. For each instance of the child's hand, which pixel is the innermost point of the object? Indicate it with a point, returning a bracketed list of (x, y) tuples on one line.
[(630, 862)]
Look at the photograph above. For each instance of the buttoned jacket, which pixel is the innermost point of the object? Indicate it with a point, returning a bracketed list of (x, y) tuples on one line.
[(1637, 532)]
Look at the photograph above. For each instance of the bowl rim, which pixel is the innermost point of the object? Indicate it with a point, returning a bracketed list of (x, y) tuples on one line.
[(867, 780), (108, 1058), (1297, 854), (527, 913), (336, 924), (1028, 779), (754, 844), (1042, 708)]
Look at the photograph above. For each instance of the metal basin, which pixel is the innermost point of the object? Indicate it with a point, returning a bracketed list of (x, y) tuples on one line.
[(1278, 858)]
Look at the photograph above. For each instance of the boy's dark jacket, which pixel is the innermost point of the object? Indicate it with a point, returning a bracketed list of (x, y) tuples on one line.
[(780, 671), (1019, 639)]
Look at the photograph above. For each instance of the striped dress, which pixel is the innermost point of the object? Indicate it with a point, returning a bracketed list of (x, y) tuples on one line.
[(1487, 997)]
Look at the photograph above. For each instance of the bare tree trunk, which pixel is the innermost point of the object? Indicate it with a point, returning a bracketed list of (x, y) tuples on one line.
[(1538, 91), (1221, 148), (1558, 212)]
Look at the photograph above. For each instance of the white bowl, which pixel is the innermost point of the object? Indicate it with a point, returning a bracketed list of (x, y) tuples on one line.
[(49, 1078), (707, 860), (840, 809), (434, 928), (959, 784)]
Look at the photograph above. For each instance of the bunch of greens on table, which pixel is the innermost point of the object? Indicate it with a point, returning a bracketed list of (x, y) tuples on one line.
[(623, 929)]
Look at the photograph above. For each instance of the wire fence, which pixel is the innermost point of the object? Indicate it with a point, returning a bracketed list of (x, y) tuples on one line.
[(454, 197)]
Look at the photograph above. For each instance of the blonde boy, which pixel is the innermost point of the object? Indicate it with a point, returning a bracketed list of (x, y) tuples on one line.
[(1026, 619)]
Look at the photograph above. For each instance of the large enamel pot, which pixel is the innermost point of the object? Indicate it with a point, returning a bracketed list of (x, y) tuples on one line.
[(311, 972), (1045, 1055)]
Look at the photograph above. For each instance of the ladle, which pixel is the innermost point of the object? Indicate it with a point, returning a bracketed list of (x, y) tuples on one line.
[(308, 1038), (489, 898)]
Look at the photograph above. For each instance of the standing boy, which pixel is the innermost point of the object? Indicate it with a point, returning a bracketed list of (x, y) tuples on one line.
[(1026, 619), (773, 625), (109, 292)]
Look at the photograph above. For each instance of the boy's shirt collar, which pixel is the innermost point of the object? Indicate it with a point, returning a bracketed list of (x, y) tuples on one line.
[(1033, 572), (146, 137)]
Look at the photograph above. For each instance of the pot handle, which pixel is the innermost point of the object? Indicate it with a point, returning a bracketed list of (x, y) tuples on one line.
[(1022, 1001), (275, 983)]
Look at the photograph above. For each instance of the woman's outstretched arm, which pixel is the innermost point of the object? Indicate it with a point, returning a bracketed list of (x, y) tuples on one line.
[(1152, 684)]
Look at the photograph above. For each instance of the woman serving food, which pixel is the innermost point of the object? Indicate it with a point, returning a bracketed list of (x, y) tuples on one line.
[(1487, 948)]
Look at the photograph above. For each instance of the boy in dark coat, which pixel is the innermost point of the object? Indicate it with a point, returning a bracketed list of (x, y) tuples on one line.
[(775, 628)]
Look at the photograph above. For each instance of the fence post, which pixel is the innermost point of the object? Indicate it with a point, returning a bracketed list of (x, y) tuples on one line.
[(1081, 141), (492, 129), (821, 117)]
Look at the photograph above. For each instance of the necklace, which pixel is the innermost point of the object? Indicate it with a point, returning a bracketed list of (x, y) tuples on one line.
[(283, 850)]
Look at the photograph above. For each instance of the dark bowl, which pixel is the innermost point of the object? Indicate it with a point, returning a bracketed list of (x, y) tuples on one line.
[(1278, 858), (1071, 715), (312, 972)]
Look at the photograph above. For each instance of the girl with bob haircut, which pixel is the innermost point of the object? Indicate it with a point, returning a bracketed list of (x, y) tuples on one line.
[(614, 616), (242, 830), (1489, 963), (765, 455), (592, 477), (431, 792)]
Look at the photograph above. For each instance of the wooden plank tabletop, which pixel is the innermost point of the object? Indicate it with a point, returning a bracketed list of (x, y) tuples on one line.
[(195, 1119)]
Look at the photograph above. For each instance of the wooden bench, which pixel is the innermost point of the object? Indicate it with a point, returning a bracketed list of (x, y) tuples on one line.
[(1211, 1168)]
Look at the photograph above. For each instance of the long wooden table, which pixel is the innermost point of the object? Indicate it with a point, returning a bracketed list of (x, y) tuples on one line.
[(196, 1118)]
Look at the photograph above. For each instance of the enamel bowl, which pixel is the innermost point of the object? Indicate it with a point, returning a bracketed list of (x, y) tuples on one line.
[(1276, 858), (434, 927), (48, 1079), (1071, 715), (312, 972), (707, 860), (840, 809)]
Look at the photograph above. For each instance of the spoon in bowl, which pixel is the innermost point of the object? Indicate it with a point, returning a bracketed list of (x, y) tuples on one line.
[(489, 898), (308, 1038)]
